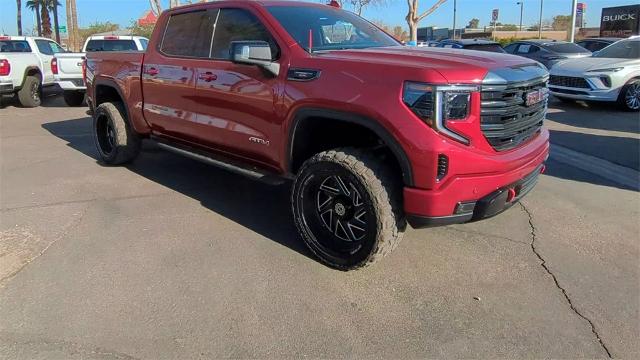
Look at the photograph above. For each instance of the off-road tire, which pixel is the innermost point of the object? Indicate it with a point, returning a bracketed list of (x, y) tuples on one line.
[(30, 95), (73, 98), (117, 143), (382, 191), (632, 85)]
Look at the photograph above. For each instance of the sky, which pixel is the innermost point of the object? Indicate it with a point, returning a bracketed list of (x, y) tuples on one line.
[(393, 12)]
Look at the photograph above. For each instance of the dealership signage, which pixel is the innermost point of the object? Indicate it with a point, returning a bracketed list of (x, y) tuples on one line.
[(620, 21)]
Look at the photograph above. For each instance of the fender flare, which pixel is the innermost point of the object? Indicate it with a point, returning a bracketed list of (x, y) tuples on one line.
[(26, 71), (364, 121), (112, 84)]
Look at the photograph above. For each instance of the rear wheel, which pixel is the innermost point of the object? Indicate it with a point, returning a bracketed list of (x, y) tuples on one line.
[(629, 97), (347, 207), (73, 98), (29, 94), (116, 141)]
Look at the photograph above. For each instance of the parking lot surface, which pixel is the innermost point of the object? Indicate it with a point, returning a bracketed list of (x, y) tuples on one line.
[(171, 258)]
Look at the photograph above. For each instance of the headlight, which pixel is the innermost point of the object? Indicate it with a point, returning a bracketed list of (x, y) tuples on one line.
[(607, 70), (436, 105)]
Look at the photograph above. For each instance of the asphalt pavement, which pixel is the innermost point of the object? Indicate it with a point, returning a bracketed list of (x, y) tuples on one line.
[(170, 258)]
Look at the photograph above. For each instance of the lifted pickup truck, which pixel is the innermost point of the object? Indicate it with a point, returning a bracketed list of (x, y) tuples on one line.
[(25, 67), (68, 69), (375, 134)]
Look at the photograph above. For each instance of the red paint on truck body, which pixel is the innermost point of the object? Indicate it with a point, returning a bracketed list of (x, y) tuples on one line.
[(171, 97)]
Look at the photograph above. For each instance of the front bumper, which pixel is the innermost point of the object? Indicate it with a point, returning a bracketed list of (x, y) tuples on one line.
[(584, 94), (472, 198)]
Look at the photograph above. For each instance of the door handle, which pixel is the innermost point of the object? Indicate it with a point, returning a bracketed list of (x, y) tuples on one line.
[(208, 76), (152, 71)]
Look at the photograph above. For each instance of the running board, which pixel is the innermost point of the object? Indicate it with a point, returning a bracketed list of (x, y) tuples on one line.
[(251, 172)]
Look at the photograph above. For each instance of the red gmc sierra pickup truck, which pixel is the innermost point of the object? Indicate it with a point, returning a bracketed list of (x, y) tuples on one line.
[(374, 134)]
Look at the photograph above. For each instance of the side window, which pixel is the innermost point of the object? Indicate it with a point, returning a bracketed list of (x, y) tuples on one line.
[(524, 49), (511, 48), (533, 49), (55, 47), (44, 47), (239, 25), (188, 34), (144, 43)]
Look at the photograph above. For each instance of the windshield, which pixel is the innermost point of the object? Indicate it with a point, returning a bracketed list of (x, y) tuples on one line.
[(621, 50), (7, 46), (566, 48), (329, 28), (487, 47), (110, 45)]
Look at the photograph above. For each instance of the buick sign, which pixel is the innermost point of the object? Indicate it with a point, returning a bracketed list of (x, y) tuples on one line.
[(620, 21)]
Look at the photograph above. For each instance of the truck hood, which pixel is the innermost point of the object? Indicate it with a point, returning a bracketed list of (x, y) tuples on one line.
[(591, 63), (455, 65)]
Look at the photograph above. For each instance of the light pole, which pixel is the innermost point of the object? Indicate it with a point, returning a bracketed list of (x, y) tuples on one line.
[(572, 25), (521, 3), (455, 7), (540, 21)]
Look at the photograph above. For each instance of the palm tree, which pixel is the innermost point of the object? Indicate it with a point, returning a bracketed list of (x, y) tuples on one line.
[(34, 5), (46, 19), (19, 16), (52, 5)]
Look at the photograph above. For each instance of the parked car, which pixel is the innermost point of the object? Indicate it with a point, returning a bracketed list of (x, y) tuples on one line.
[(25, 67), (68, 69), (429, 43), (472, 44), (612, 74), (547, 52), (280, 90), (597, 44)]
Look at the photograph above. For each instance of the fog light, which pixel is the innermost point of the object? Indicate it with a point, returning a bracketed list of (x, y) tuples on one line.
[(465, 207)]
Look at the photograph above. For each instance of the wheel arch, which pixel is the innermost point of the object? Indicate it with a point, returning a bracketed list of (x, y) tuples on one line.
[(31, 71), (306, 118)]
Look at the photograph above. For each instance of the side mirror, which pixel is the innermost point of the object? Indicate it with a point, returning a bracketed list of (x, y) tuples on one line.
[(254, 53)]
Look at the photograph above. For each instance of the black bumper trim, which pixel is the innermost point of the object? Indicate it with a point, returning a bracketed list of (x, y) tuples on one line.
[(420, 222)]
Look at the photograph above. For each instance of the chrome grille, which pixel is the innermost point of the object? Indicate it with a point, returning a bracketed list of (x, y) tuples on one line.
[(506, 121), (569, 81)]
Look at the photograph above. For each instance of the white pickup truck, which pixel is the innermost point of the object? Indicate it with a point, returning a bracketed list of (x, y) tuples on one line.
[(25, 67), (68, 72)]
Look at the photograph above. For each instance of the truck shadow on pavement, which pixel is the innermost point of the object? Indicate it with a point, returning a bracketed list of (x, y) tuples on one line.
[(261, 207)]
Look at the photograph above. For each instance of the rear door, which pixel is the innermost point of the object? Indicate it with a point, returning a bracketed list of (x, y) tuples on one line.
[(47, 50), (169, 73), (235, 104)]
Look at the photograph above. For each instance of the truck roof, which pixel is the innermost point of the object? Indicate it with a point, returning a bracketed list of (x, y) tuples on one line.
[(18, 38)]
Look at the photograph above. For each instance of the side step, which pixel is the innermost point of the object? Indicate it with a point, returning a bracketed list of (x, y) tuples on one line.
[(235, 167)]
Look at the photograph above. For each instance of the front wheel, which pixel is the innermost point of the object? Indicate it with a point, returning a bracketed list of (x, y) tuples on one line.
[(73, 98), (29, 94), (629, 97), (347, 207)]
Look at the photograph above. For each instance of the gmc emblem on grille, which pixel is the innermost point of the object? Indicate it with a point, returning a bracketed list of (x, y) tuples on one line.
[(536, 96)]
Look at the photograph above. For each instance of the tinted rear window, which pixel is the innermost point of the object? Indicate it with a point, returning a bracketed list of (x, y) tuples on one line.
[(488, 47), (566, 48), (110, 45), (14, 46), (189, 34)]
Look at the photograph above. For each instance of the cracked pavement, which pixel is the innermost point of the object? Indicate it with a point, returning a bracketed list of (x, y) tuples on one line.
[(170, 258)]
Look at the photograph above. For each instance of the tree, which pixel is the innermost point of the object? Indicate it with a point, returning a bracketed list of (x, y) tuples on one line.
[(96, 28), (45, 18), (473, 23), (53, 5), (399, 33), (34, 5), (509, 27), (156, 7), (384, 27), (561, 22), (141, 30), (19, 16), (414, 17)]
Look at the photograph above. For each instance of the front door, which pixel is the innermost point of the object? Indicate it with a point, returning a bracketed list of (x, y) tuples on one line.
[(169, 73)]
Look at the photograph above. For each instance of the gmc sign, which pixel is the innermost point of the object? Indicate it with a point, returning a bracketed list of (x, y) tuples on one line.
[(620, 21)]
